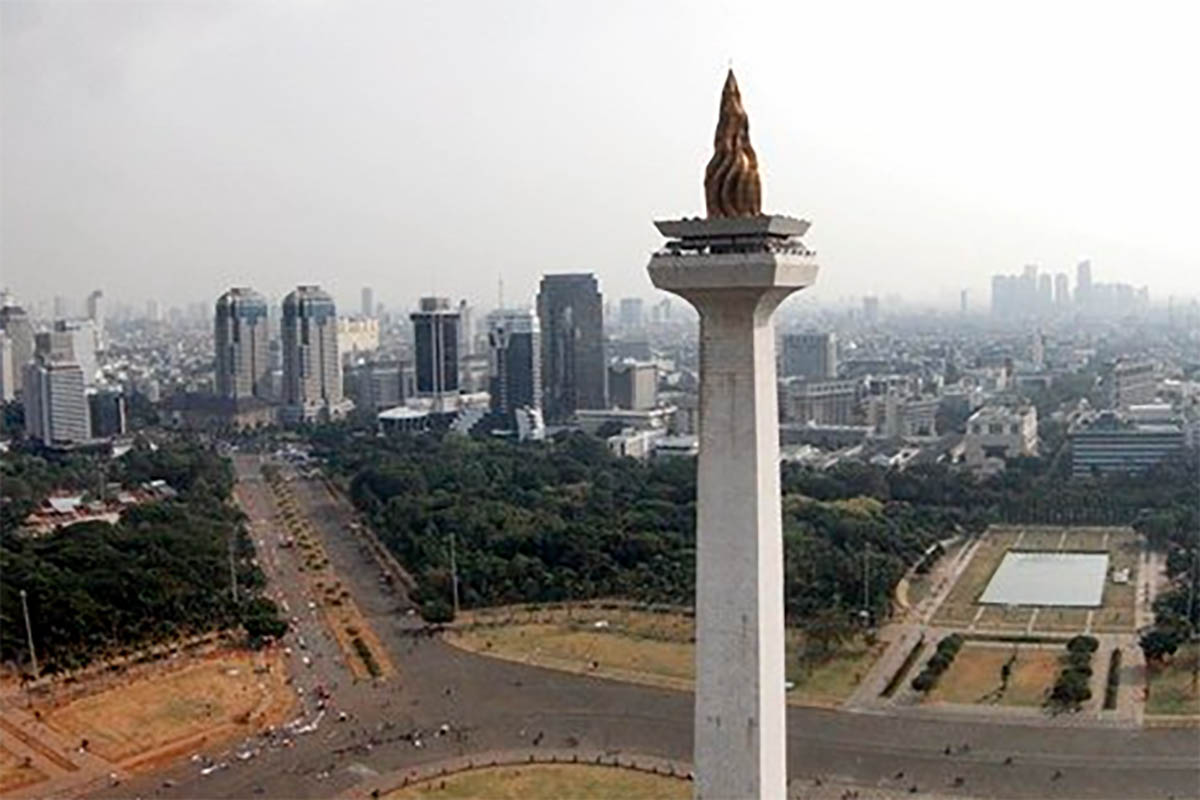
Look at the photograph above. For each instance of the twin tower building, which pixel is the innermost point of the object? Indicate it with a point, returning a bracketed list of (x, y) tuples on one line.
[(551, 361), (312, 374)]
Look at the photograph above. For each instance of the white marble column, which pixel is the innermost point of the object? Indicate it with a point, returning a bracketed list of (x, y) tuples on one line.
[(740, 738)]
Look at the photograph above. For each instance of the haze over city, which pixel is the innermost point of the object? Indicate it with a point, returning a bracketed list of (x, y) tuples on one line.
[(170, 150)]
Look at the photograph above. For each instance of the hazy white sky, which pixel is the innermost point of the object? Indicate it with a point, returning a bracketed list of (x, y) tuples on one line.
[(172, 149)]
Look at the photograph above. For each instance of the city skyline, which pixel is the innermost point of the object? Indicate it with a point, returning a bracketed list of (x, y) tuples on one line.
[(191, 163)]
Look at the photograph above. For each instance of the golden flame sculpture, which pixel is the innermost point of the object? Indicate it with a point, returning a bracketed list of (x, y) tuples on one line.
[(731, 184)]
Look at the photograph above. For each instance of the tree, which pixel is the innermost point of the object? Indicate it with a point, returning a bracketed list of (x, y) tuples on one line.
[(1160, 643), (437, 612)]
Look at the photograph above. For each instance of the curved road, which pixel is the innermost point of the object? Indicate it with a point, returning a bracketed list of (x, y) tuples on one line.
[(490, 704)]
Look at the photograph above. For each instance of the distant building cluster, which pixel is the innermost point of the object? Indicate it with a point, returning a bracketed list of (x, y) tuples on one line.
[(1033, 294)]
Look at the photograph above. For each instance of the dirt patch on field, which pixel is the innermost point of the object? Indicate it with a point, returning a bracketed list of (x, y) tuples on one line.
[(975, 675), (133, 724), (15, 773)]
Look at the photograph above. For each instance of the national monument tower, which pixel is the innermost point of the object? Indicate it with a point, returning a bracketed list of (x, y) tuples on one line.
[(736, 266)]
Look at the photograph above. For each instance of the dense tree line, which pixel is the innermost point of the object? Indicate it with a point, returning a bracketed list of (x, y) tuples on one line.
[(567, 520), (161, 572)]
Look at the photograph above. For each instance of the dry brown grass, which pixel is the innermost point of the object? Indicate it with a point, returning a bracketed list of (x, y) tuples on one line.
[(640, 646), (14, 774), (974, 676), (214, 698)]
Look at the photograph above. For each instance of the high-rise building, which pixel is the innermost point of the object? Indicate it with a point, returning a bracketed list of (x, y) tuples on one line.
[(466, 331), (7, 380), (810, 355), (71, 340), (106, 410), (1062, 290), (17, 326), (633, 386), (56, 406), (962, 302), (1083, 283), (95, 313), (61, 309), (571, 314), (312, 371), (242, 343), (870, 305), (368, 302), (1045, 298), (515, 369), (436, 331), (632, 314)]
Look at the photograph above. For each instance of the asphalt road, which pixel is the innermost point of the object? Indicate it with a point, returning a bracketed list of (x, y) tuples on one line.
[(488, 704)]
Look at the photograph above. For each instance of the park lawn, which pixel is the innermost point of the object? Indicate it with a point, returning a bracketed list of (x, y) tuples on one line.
[(14, 774), (640, 647), (548, 782), (1043, 539), (1009, 618), (1061, 620), (974, 676), (150, 712), (833, 680), (1171, 688)]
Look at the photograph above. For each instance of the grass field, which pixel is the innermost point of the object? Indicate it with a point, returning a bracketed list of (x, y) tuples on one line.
[(14, 774), (214, 696), (1171, 689), (641, 647), (548, 782), (974, 676), (1116, 615)]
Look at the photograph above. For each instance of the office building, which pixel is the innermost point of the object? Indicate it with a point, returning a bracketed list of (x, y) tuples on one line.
[(312, 371), (633, 385), (996, 433), (367, 308), (95, 313), (810, 355), (357, 336), (19, 329), (106, 412), (820, 402), (632, 314), (514, 365), (8, 387), (56, 406), (436, 331), (1113, 442), (1083, 283), (1045, 292), (71, 340), (870, 305), (376, 385), (1129, 382), (571, 316), (241, 339), (466, 330), (1062, 290)]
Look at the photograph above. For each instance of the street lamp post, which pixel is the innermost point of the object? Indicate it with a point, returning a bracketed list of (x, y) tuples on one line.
[(29, 635)]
